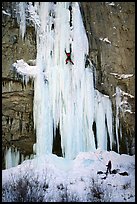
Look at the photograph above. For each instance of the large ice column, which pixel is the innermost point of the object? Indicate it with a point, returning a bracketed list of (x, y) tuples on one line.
[(68, 95), (76, 85), (43, 117), (64, 94)]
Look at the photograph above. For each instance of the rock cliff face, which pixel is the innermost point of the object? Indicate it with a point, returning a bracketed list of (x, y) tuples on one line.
[(17, 99), (110, 29), (111, 32)]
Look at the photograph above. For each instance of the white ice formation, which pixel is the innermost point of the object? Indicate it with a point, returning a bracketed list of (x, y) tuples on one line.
[(64, 94)]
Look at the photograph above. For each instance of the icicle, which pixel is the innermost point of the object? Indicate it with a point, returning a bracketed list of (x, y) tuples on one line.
[(108, 114), (118, 102), (100, 121), (16, 157), (12, 157), (34, 148), (8, 158), (22, 7), (9, 86)]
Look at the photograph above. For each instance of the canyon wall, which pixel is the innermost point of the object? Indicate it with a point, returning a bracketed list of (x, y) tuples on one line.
[(110, 29)]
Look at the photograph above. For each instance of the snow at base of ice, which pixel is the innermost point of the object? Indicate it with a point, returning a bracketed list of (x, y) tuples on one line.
[(49, 178)]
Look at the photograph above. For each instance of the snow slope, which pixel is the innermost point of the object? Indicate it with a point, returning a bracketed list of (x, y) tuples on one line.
[(50, 178)]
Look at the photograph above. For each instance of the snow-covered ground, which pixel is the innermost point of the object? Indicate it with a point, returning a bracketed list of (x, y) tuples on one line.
[(65, 95), (51, 178)]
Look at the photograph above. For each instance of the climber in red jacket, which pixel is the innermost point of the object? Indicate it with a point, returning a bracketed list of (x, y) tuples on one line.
[(68, 56)]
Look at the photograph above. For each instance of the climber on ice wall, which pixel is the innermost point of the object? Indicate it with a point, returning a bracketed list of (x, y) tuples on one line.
[(69, 56)]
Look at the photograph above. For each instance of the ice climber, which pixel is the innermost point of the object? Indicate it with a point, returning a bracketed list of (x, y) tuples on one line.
[(68, 56)]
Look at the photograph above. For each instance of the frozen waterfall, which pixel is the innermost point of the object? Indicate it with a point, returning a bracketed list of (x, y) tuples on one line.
[(64, 94)]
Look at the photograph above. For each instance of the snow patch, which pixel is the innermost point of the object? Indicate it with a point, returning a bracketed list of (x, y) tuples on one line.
[(6, 13), (121, 76), (105, 40)]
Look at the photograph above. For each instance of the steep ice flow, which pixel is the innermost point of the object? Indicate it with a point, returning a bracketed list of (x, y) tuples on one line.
[(64, 94)]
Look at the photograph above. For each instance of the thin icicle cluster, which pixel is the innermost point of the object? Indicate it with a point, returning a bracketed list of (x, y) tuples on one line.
[(67, 97), (122, 106), (103, 119), (13, 157), (118, 102), (24, 70)]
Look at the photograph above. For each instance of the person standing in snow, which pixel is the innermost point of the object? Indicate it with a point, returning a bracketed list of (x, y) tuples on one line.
[(87, 62), (108, 167), (68, 56)]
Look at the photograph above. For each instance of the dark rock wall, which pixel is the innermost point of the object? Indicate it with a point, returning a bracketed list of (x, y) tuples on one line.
[(17, 99), (114, 22)]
